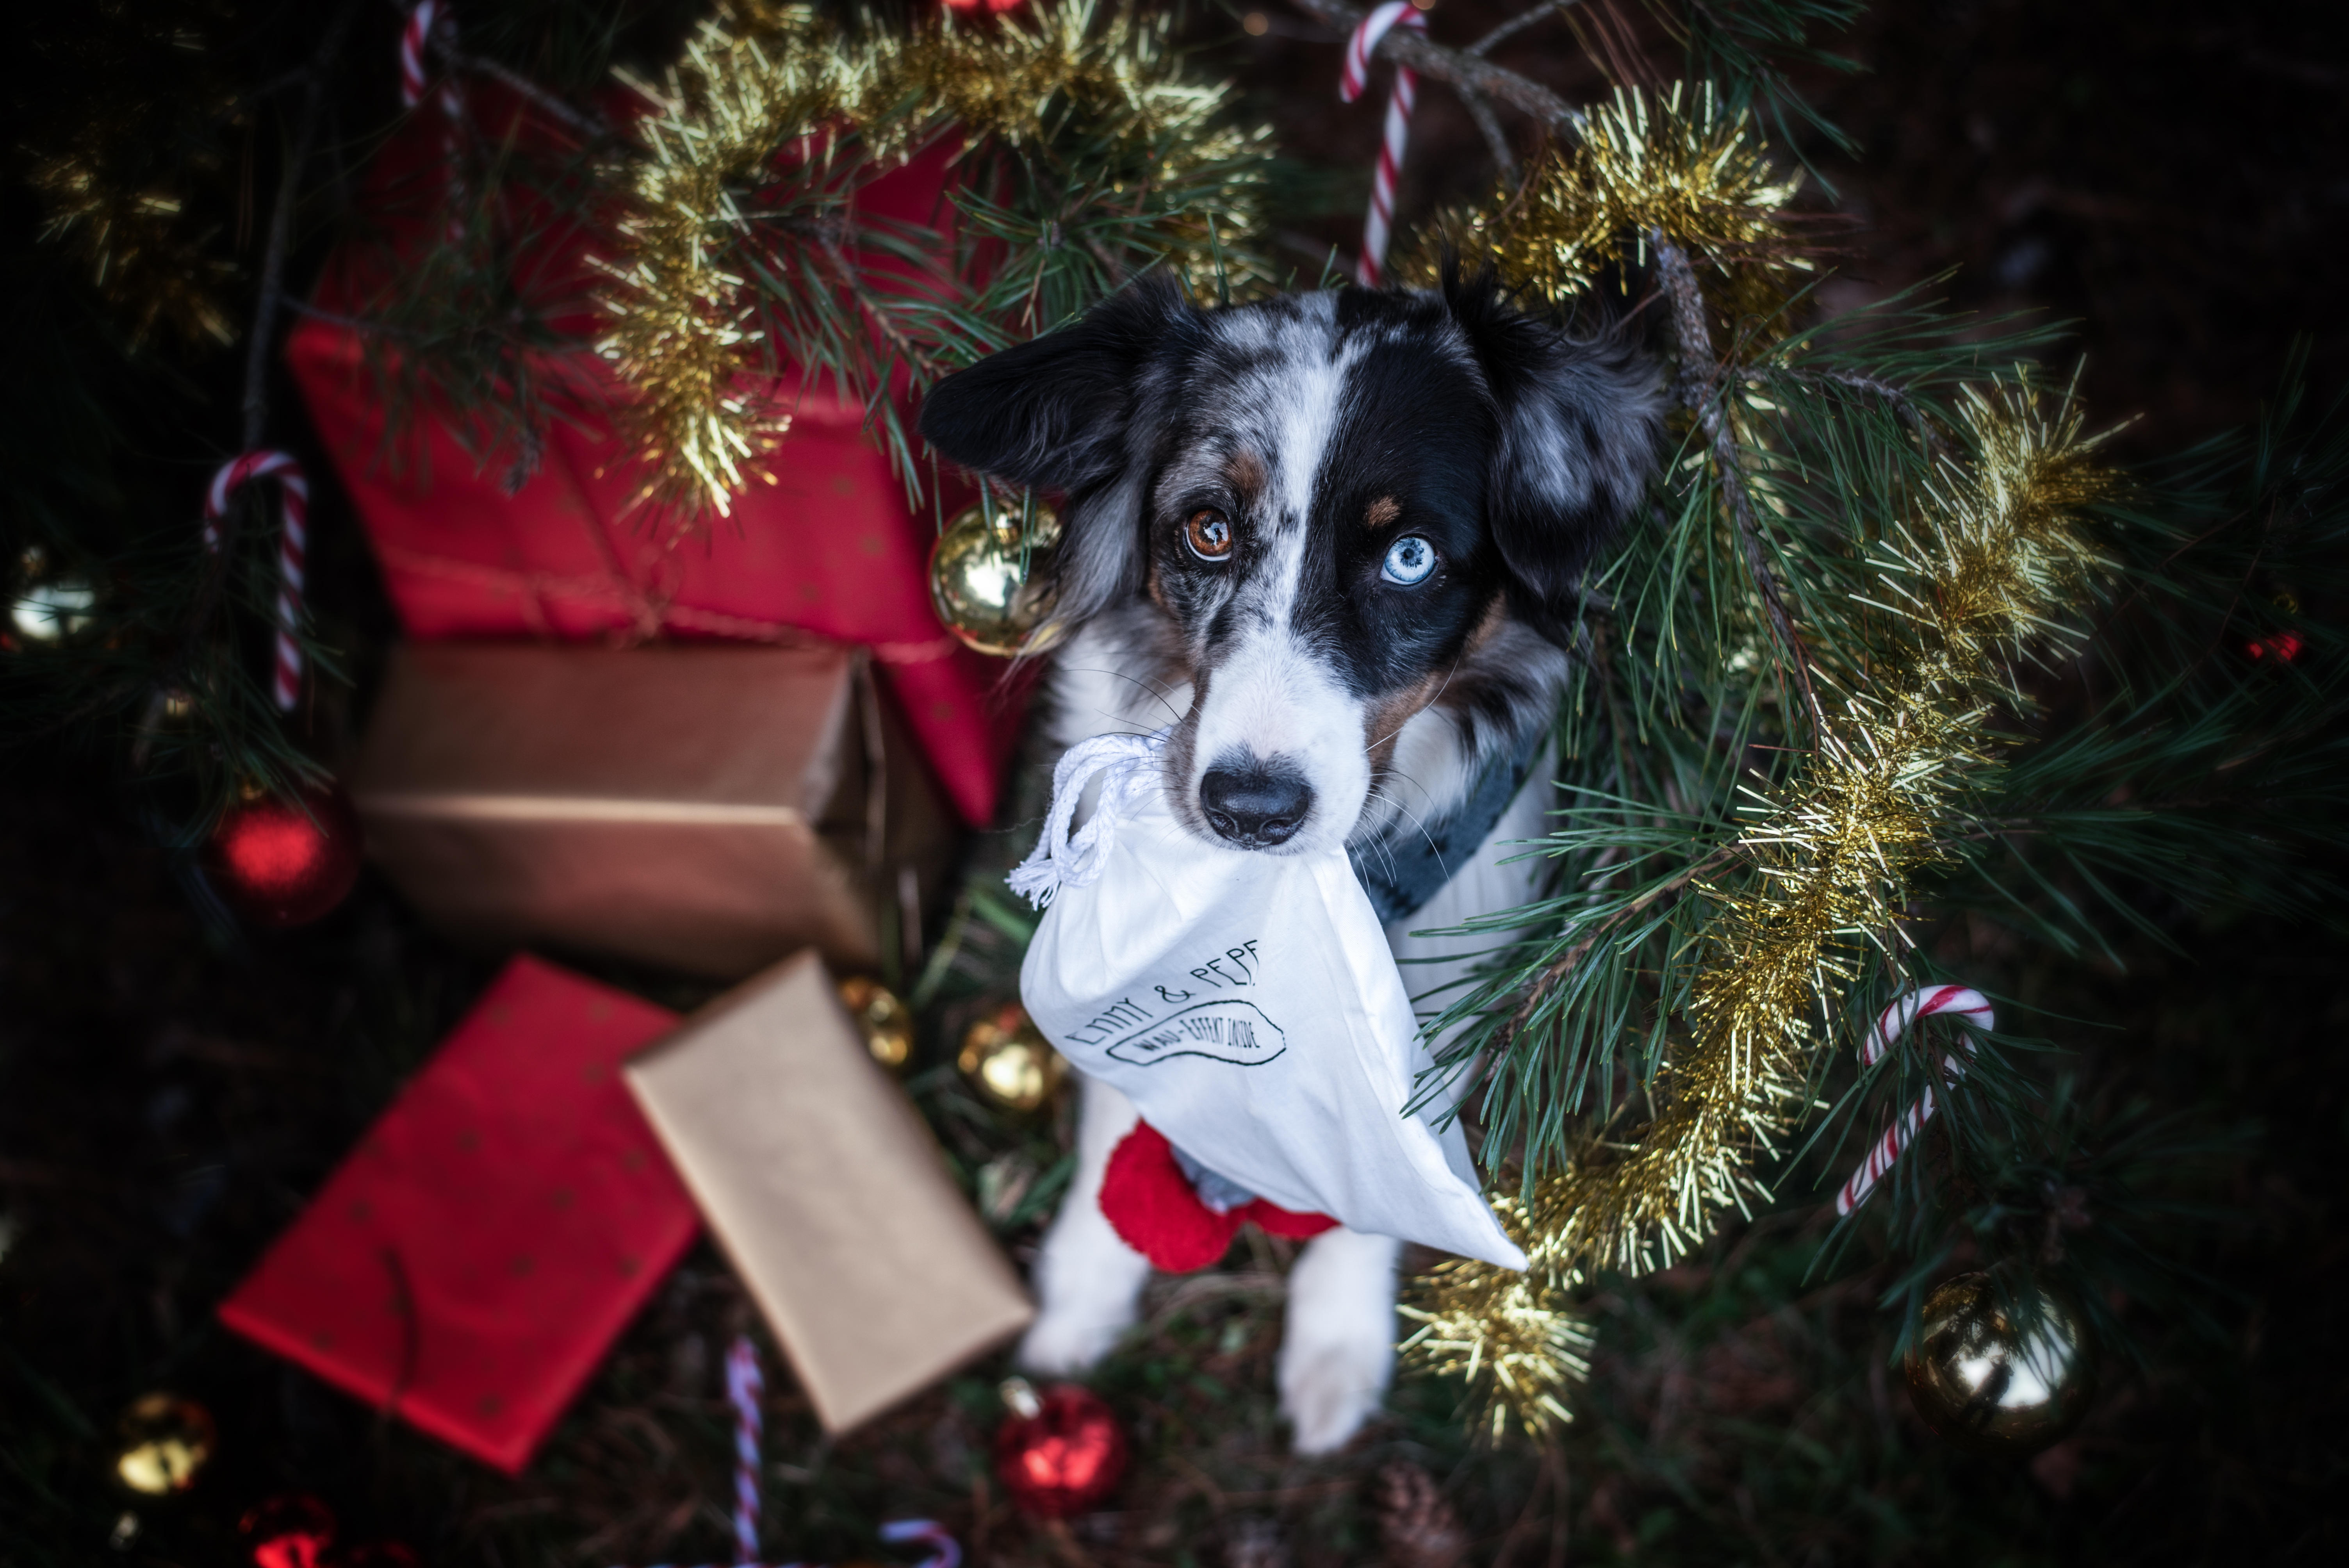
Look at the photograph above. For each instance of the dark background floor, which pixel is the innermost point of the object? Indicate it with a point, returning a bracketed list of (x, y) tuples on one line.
[(2170, 178)]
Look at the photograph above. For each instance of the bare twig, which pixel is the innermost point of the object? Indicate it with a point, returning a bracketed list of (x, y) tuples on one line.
[(1695, 388), (273, 293), (1518, 23), (1496, 142), (592, 125), (1457, 67), (280, 231)]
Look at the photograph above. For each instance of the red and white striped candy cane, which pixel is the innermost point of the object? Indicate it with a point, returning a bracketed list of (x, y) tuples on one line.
[(415, 55), (1954, 1000), (414, 73), (945, 1552), (1350, 85), (293, 541), (744, 1383)]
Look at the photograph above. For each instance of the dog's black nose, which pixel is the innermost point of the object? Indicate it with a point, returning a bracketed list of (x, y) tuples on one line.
[(1258, 806)]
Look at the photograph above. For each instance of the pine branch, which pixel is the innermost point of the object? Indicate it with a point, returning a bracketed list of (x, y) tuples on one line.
[(1458, 69), (1699, 373)]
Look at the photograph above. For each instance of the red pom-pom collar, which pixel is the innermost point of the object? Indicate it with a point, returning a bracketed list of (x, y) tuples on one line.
[(1153, 1205)]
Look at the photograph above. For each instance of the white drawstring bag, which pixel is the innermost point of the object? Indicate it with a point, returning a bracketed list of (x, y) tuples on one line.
[(1247, 1003)]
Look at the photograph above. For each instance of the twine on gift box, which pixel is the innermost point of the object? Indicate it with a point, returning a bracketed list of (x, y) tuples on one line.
[(535, 591), (744, 1384)]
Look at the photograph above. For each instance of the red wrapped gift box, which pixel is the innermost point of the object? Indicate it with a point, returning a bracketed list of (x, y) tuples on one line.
[(824, 546), (469, 1263)]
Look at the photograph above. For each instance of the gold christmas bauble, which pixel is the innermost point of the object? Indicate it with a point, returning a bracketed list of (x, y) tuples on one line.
[(989, 589), (1008, 1060), (886, 1022), (165, 1442), (2000, 1383)]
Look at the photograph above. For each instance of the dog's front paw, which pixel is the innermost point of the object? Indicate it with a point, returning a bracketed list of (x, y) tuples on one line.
[(1339, 1351), (1328, 1391), (1064, 1344)]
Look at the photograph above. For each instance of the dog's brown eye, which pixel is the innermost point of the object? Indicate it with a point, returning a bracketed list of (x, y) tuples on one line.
[(1209, 535)]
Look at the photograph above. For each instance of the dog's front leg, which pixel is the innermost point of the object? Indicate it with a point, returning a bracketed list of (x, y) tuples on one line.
[(1086, 1276), (1339, 1351)]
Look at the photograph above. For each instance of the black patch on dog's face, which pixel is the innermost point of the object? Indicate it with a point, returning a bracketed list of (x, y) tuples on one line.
[(1251, 472)]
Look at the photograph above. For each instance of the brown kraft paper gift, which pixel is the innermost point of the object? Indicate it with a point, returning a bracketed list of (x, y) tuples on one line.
[(706, 809), (827, 1193)]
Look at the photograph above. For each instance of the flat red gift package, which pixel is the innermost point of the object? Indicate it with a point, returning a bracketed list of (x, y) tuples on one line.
[(824, 546), (469, 1265)]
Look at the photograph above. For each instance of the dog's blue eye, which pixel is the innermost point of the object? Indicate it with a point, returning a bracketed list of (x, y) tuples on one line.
[(1409, 560)]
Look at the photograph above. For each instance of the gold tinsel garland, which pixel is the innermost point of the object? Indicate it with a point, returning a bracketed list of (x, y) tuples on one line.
[(685, 332), (1511, 1337), (1990, 560), (1675, 163)]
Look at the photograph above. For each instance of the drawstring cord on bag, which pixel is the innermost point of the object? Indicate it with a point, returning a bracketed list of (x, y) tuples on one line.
[(1130, 763)]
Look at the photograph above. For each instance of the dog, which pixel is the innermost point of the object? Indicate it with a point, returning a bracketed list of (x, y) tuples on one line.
[(1336, 540)]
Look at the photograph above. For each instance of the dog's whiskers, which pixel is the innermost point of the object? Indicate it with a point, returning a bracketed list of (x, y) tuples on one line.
[(1417, 822), (1138, 680)]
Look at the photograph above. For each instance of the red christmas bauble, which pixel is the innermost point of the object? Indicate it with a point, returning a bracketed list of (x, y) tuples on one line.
[(1064, 1459), (285, 864), (292, 1530), (997, 7)]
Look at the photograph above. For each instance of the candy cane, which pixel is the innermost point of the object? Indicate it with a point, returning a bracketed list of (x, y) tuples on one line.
[(1954, 1000), (944, 1551), (293, 540), (1356, 78), (415, 71), (743, 1385)]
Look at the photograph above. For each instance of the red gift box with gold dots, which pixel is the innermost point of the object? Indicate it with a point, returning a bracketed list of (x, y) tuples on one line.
[(469, 1263), (823, 548)]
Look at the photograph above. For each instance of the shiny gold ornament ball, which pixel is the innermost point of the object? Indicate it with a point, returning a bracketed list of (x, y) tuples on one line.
[(1996, 1385), (990, 592), (1008, 1060), (884, 1021), (166, 1442)]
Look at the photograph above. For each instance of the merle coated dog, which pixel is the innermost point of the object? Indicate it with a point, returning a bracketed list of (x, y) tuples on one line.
[(1337, 541)]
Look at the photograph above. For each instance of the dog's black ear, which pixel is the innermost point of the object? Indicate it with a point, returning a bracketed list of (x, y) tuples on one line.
[(1071, 412), (1053, 413), (1578, 423)]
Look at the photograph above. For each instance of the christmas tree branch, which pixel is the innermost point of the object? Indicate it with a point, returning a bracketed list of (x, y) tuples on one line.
[(1457, 69), (1698, 374)]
